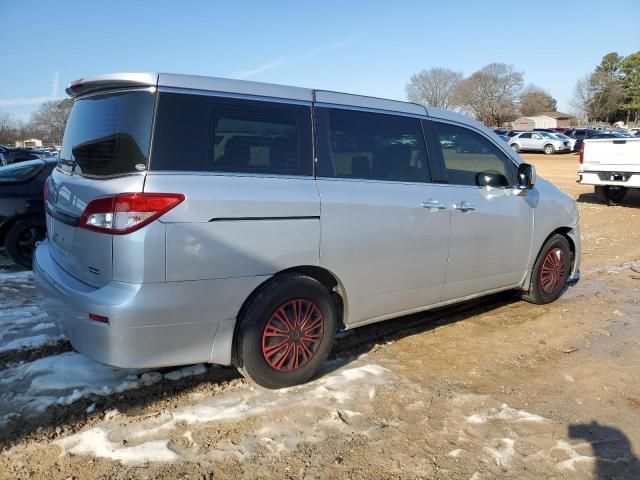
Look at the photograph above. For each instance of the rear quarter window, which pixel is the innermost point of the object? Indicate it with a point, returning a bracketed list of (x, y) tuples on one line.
[(205, 133), (108, 134)]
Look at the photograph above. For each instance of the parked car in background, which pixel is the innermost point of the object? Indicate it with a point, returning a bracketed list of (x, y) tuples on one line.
[(504, 137), (14, 155), (539, 142), (579, 134), (501, 131), (562, 130), (564, 138), (512, 133), (612, 165), (22, 219), (161, 252)]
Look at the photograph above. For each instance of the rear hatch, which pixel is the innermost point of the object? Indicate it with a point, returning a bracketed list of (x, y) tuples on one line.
[(612, 155), (105, 151)]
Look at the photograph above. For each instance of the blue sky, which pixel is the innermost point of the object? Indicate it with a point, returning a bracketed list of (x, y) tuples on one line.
[(369, 47)]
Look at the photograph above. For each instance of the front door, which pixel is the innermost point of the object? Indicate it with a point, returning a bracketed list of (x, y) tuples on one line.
[(491, 225)]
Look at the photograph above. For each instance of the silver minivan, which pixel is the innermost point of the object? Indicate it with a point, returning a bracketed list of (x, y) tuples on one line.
[(195, 219)]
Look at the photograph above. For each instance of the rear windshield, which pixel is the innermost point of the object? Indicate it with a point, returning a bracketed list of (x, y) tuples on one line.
[(108, 134)]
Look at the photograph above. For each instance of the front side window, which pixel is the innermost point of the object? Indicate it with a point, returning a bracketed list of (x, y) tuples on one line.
[(372, 146), (218, 134), (471, 159), (108, 134)]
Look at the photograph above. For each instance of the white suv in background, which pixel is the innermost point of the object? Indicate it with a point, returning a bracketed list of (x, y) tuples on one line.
[(539, 142)]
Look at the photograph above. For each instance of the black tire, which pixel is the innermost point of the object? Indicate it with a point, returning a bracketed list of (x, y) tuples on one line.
[(21, 239), (549, 149), (516, 147), (253, 352), (541, 290), (610, 195)]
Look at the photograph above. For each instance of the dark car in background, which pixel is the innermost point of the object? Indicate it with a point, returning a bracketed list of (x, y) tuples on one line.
[(15, 155), (22, 218), (580, 134)]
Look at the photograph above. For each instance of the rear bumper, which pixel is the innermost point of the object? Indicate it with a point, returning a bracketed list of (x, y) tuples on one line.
[(618, 177), (150, 325)]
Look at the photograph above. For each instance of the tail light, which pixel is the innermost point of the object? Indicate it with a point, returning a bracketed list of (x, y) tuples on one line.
[(127, 212), (581, 152)]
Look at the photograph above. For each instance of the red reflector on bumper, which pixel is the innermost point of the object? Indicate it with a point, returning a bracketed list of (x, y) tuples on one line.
[(98, 318)]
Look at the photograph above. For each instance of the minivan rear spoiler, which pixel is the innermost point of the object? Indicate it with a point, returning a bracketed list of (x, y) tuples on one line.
[(111, 81)]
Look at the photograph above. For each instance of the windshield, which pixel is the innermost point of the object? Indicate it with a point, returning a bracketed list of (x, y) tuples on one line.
[(108, 134), (561, 136), (546, 134)]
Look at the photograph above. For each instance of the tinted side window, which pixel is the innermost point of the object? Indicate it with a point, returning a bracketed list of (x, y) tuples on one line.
[(525, 135), (471, 159), (371, 146), (217, 134)]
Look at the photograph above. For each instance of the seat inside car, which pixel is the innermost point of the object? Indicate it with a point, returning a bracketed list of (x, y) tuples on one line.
[(360, 167)]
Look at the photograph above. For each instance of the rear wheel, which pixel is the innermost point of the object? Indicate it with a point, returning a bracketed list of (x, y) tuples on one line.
[(21, 240), (286, 332), (550, 272), (549, 150), (610, 194)]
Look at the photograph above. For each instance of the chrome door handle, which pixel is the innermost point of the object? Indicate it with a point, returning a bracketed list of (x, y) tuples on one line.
[(433, 204), (464, 207)]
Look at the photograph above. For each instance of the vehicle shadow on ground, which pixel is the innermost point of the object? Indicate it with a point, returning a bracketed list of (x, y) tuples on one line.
[(612, 449), (61, 420), (631, 199)]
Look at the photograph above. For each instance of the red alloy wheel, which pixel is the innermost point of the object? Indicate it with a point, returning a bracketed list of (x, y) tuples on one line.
[(292, 335), (552, 270)]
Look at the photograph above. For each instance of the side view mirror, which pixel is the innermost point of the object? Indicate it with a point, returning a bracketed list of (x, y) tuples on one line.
[(526, 176)]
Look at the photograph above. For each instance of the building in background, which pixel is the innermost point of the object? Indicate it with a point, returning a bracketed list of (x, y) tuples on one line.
[(543, 120), (29, 143)]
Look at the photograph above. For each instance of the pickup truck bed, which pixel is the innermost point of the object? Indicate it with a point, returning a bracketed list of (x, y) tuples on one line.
[(612, 165)]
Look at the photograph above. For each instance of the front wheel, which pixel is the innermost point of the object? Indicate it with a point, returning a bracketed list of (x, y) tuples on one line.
[(21, 240), (286, 332), (550, 272), (549, 150), (515, 146)]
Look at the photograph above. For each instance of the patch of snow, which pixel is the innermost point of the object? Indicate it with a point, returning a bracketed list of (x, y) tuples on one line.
[(574, 456), (505, 413), (96, 442), (503, 451), (31, 342), (31, 387), (334, 390), (186, 372), (455, 453), (15, 275)]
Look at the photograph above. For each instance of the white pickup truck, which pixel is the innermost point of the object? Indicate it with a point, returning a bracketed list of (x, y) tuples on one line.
[(612, 165)]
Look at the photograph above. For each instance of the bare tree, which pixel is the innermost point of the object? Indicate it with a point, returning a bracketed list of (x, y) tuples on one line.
[(492, 93), (8, 129), (535, 100), (51, 118), (597, 96), (435, 87)]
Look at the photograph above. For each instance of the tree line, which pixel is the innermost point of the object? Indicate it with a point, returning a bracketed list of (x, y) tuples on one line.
[(46, 123), (611, 92), (496, 94)]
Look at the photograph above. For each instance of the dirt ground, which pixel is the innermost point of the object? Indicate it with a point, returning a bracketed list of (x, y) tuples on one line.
[(494, 389)]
